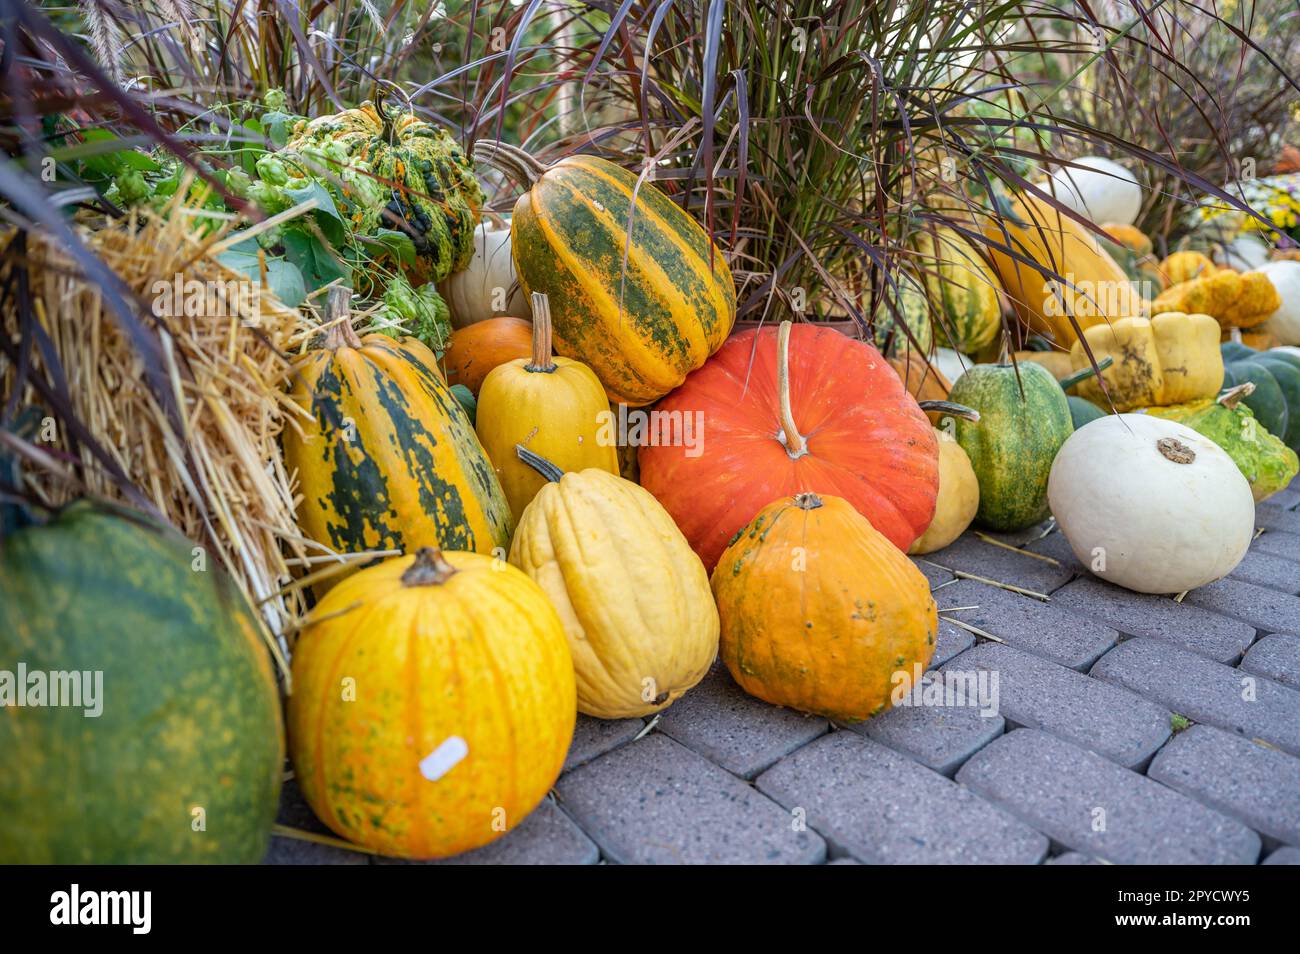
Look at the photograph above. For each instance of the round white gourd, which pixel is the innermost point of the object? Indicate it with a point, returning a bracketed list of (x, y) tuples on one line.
[(1244, 253), (488, 281), (1285, 322), (951, 364), (1104, 191), (1151, 505)]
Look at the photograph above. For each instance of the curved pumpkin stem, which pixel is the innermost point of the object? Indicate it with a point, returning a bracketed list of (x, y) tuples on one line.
[(1070, 380), (541, 360), (539, 463), (807, 501), (429, 569), (338, 312), (1232, 397), (508, 159), (795, 445), (952, 408)]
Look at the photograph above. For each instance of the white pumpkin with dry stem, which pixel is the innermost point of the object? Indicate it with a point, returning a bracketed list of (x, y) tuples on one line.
[(1150, 504), (487, 286)]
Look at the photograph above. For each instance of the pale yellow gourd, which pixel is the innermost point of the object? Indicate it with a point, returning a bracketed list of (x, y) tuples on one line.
[(958, 500)]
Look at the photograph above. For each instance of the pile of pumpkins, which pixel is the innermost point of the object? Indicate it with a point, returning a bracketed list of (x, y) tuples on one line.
[(551, 565)]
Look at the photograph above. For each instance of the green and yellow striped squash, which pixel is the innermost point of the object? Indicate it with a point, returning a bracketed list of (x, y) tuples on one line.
[(389, 460), (963, 291), (173, 754), (642, 328), (909, 301)]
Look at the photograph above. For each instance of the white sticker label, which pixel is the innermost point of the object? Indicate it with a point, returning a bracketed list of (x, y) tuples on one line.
[(444, 758)]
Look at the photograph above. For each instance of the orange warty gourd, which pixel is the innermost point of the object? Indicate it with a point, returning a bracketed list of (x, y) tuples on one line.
[(476, 349), (813, 411), (433, 703), (820, 612)]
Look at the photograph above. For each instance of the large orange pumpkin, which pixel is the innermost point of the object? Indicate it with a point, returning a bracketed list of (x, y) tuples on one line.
[(478, 348), (840, 423), (820, 612)]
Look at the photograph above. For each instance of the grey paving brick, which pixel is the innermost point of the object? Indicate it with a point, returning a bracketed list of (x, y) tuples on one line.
[(950, 641), (1019, 538), (657, 802), (1072, 858), (1258, 606), (1275, 657), (844, 861), (1206, 691), (1279, 544), (546, 837), (1258, 786), (293, 851), (1284, 856), (1265, 569), (1137, 614), (1287, 498), (1096, 715), (1093, 806), (883, 808), (742, 734), (594, 737), (936, 575), (1055, 545), (1045, 629), (940, 738), (1275, 518), (972, 555)]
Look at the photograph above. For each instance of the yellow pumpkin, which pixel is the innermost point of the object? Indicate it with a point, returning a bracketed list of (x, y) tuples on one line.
[(386, 458), (555, 407), (633, 596), (1057, 362), (959, 497), (433, 703), (1097, 290), (1172, 358), (1234, 299), (820, 612), (1182, 267)]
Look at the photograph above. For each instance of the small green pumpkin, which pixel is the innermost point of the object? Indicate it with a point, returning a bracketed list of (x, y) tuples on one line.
[(1276, 398), (1024, 420)]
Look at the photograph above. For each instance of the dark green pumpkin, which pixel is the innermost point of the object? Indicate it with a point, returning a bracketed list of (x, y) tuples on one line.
[(183, 763), (1024, 420), (1082, 411), (1276, 399)]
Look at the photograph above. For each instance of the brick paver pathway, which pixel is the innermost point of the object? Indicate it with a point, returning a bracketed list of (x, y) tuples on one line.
[(1129, 729)]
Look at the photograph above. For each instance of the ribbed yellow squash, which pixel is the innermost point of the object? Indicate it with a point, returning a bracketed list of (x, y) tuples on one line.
[(1170, 359), (1097, 289), (639, 292), (962, 289), (553, 406), (388, 459), (633, 596), (432, 705)]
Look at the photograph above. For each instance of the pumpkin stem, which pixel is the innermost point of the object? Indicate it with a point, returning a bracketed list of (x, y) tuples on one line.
[(795, 445), (1232, 397), (948, 407), (539, 463), (508, 159), (338, 314), (1171, 448), (1070, 380), (807, 501), (429, 569), (541, 336)]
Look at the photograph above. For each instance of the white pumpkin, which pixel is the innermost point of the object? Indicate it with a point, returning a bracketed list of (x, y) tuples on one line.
[(1244, 253), (1104, 191), (1150, 504), (1285, 322), (951, 364), (487, 287)]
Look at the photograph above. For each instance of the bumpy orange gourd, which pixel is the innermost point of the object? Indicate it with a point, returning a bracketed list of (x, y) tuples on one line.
[(476, 349), (820, 612), (554, 407), (433, 703)]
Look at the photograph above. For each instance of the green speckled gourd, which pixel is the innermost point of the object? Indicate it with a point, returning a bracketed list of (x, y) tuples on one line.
[(911, 304), (1276, 398), (389, 460), (182, 763), (1012, 446), (430, 189), (1267, 463)]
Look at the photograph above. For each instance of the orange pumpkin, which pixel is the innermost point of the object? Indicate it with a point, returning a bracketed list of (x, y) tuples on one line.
[(813, 411), (478, 348), (820, 612), (433, 703)]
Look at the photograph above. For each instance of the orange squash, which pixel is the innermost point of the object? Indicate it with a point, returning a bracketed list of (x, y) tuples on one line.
[(478, 348), (820, 612), (433, 703)]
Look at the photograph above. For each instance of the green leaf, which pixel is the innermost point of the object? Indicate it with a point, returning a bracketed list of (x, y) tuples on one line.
[(397, 243), (283, 279), (326, 214), (316, 260), (279, 126)]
